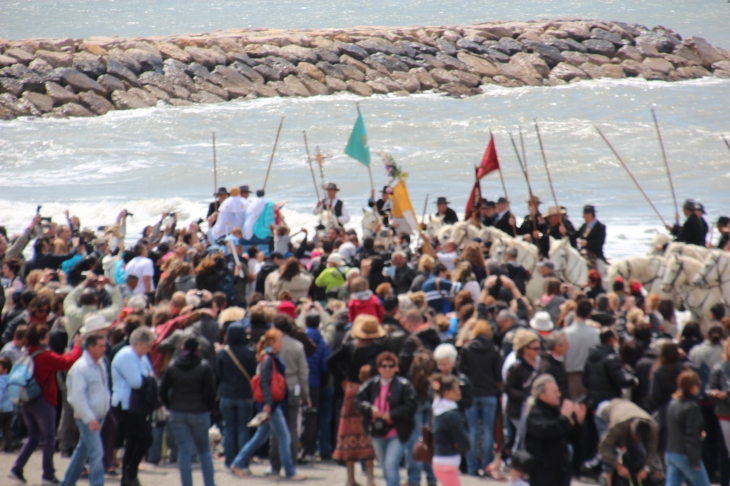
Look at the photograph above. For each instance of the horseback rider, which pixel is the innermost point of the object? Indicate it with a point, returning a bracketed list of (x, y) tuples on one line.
[(504, 220), (592, 235), (559, 226), (332, 203), (528, 230), (693, 230), (220, 196), (443, 210), (487, 212), (383, 205), (723, 227)]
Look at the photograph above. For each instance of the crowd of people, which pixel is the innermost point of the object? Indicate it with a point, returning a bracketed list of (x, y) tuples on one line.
[(348, 348)]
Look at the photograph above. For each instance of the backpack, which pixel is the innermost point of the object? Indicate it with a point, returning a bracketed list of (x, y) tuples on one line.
[(422, 367), (22, 386)]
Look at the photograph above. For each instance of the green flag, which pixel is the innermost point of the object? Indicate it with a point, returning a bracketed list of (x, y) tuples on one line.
[(357, 146)]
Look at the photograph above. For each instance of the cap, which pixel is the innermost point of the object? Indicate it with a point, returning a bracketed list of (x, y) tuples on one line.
[(490, 204), (502, 200)]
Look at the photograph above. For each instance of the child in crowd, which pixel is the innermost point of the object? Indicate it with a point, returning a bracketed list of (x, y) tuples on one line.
[(450, 435)]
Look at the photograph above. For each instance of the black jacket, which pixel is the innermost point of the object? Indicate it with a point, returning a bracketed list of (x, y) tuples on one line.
[(232, 383), (208, 327), (595, 238), (554, 231), (603, 375), (663, 385), (692, 231), (640, 394), (503, 223), (188, 385), (467, 391), (347, 360), (450, 216), (450, 434), (403, 279), (402, 401), (551, 366), (479, 360), (428, 337), (527, 228), (264, 272), (418, 281), (517, 387), (547, 436), (684, 429)]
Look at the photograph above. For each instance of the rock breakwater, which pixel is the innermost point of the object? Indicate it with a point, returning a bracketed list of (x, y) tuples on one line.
[(87, 77)]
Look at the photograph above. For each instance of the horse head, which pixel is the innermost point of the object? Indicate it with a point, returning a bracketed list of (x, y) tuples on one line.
[(369, 221), (709, 274), (659, 244), (672, 270)]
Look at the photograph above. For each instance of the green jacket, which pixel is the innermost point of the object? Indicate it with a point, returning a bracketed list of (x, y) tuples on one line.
[(331, 278)]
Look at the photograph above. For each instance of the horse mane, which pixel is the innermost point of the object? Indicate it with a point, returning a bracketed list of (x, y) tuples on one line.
[(555, 245)]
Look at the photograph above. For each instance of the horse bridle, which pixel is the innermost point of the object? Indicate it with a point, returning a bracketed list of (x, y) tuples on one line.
[(648, 283), (566, 270), (679, 272), (716, 261)]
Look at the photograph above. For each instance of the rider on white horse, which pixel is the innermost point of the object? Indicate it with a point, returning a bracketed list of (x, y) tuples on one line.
[(383, 205), (332, 204)]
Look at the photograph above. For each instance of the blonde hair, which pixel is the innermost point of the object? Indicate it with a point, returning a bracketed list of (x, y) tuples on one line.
[(418, 298), (633, 317), (462, 272), (614, 300), (482, 328), (442, 322), (425, 263)]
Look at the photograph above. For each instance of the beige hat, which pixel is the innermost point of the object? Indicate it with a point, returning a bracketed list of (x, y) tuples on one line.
[(337, 259), (367, 327), (555, 211), (94, 323), (523, 338)]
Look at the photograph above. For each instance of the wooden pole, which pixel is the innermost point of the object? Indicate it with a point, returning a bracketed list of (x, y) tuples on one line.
[(527, 178), (311, 169), (727, 144), (547, 169), (504, 188), (630, 174), (215, 174), (524, 154), (666, 165), (372, 186), (423, 219), (273, 151)]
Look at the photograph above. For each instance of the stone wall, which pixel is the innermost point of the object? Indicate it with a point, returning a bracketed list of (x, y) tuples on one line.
[(86, 77)]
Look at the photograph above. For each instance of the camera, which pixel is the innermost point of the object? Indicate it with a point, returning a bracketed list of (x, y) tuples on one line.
[(380, 428), (199, 221), (128, 213), (172, 215)]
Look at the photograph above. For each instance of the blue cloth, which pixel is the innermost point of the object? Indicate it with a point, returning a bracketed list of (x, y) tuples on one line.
[(91, 448), (483, 408), (324, 420), (5, 404), (423, 416), (278, 425), (318, 361), (69, 264), (267, 218), (236, 415), (679, 470), (389, 453), (120, 273), (435, 296), (128, 368), (191, 433)]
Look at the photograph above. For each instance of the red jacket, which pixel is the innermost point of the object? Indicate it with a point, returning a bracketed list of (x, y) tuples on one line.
[(47, 364), (371, 306)]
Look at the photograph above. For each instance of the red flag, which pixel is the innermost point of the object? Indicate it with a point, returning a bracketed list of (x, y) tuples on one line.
[(475, 199), (490, 162)]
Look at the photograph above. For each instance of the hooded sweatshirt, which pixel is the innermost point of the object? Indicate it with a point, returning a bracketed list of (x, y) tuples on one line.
[(188, 385), (318, 360), (480, 362), (364, 302), (233, 384)]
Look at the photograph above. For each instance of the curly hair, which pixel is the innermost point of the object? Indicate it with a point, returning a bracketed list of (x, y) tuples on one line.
[(473, 254), (289, 269)]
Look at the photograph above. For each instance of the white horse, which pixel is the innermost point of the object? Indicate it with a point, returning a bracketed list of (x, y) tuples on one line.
[(694, 251), (569, 263), (649, 270), (370, 220), (715, 271), (679, 276), (527, 254), (660, 241), (434, 226)]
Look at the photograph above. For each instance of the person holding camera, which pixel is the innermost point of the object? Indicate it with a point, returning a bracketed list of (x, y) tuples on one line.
[(84, 300), (551, 427), (387, 403)]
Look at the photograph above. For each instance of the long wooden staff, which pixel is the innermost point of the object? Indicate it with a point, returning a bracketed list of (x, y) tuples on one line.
[(215, 174), (504, 188), (524, 154), (547, 169), (630, 174), (311, 169), (666, 165), (527, 178), (727, 144), (273, 151), (423, 218)]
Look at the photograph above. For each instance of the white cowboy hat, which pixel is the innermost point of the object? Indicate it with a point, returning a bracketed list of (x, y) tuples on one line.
[(94, 323), (541, 322)]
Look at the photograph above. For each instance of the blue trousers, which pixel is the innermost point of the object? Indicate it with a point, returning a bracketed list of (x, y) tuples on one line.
[(324, 420), (389, 453), (281, 430), (679, 470), (191, 433), (483, 408), (423, 416), (91, 448), (236, 415)]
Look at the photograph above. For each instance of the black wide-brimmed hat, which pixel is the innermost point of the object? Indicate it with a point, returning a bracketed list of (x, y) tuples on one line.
[(442, 200), (221, 191)]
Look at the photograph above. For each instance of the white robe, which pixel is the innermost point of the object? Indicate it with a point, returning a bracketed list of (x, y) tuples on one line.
[(231, 214)]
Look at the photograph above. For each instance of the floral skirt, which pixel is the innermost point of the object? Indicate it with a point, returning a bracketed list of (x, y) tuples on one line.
[(353, 444)]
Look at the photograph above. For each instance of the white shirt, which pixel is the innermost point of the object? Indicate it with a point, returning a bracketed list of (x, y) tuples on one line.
[(141, 267), (330, 203), (447, 259), (347, 251)]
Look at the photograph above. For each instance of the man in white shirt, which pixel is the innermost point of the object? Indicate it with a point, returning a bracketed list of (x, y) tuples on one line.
[(348, 249), (331, 203), (143, 268), (448, 256)]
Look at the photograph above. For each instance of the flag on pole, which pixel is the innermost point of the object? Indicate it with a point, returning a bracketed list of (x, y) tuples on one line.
[(474, 201), (357, 145), (404, 218), (490, 163)]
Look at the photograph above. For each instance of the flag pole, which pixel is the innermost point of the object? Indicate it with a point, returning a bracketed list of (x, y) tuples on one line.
[(630, 174), (370, 173), (727, 144), (547, 169), (504, 188), (273, 151), (215, 173), (524, 154), (309, 160), (527, 178), (666, 165), (423, 218)]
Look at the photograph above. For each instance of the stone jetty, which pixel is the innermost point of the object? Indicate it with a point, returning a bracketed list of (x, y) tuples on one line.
[(87, 77)]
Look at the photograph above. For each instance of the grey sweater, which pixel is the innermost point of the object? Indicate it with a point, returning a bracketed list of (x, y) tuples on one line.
[(720, 380), (297, 369)]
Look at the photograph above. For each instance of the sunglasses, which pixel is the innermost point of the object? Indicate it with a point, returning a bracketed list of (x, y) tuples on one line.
[(533, 349), (386, 366)]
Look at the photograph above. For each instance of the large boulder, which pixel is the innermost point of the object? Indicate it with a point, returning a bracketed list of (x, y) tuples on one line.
[(55, 59), (550, 54), (124, 100), (296, 85), (20, 55), (335, 84), (600, 46), (615, 71), (72, 109), (148, 98), (121, 71), (248, 71), (80, 82), (707, 53), (575, 58), (89, 64), (385, 63), (688, 54), (477, 65), (566, 72), (6, 61), (314, 86), (309, 69), (10, 85), (352, 73), (95, 103), (206, 98), (351, 50), (326, 54), (662, 41), (510, 46), (472, 46), (59, 94), (171, 51), (467, 79), (122, 57), (629, 52), (203, 85), (297, 54), (331, 70), (442, 76), (532, 60), (451, 63), (158, 80), (268, 73), (43, 103), (207, 57), (376, 44), (658, 64), (611, 37), (446, 47), (359, 88)]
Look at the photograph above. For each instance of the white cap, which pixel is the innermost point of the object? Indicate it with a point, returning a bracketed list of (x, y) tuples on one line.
[(541, 322)]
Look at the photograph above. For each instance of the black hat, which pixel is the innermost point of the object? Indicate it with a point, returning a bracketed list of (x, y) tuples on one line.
[(221, 190), (191, 345), (689, 204), (442, 200), (723, 221), (490, 204), (260, 193), (244, 189), (588, 209), (700, 207), (502, 200), (331, 185)]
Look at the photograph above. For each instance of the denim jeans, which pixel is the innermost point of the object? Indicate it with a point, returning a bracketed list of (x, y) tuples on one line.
[(483, 408), (278, 424), (324, 420), (191, 430), (423, 416), (236, 415), (389, 453), (679, 470), (291, 418), (89, 447), (40, 418)]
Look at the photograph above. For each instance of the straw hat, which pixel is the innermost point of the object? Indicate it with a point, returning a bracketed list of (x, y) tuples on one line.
[(523, 338), (554, 211), (541, 322), (367, 327), (94, 323)]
